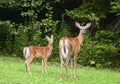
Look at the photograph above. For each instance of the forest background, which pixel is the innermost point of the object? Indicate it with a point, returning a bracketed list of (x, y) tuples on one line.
[(27, 22)]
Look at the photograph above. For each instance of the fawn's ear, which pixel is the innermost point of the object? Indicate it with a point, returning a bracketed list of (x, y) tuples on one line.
[(52, 39), (87, 25), (47, 37)]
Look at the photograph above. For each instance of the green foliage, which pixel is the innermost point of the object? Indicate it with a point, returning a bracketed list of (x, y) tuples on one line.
[(100, 51), (6, 38), (116, 7), (32, 31), (104, 36), (91, 11), (47, 23), (27, 22), (7, 3)]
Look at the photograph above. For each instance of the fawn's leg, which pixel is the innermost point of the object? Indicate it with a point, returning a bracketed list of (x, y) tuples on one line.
[(43, 65), (46, 65), (27, 63)]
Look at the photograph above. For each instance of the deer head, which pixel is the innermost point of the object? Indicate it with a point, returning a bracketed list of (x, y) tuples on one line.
[(50, 39), (83, 28)]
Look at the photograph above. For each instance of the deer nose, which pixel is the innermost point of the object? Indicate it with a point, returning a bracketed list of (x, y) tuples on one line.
[(83, 32)]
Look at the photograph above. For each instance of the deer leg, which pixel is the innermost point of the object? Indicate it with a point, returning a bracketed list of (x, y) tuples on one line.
[(46, 66), (43, 65), (27, 63), (61, 67), (75, 64), (66, 67), (66, 64), (71, 63)]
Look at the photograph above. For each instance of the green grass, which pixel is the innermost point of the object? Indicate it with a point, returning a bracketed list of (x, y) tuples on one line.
[(12, 71)]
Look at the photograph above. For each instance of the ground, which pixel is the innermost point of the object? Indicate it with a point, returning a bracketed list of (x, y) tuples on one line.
[(12, 71)]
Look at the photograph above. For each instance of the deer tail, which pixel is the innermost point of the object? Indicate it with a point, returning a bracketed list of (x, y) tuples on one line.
[(64, 48), (26, 52)]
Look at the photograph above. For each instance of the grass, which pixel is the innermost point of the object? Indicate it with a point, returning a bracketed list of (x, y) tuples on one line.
[(12, 71)]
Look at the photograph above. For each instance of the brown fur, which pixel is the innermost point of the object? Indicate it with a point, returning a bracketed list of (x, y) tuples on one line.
[(43, 52), (74, 48)]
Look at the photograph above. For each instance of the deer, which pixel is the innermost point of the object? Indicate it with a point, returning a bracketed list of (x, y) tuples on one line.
[(69, 49), (30, 52)]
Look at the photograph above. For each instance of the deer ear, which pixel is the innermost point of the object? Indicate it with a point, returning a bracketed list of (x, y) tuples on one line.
[(87, 25), (51, 36), (78, 25), (47, 37)]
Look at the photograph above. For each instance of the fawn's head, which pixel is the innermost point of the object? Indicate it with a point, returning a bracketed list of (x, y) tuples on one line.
[(50, 39), (83, 28)]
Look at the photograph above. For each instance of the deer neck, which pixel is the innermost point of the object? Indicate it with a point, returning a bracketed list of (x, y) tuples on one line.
[(80, 37), (50, 46)]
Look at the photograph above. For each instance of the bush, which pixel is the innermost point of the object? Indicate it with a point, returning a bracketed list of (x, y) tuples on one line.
[(99, 52)]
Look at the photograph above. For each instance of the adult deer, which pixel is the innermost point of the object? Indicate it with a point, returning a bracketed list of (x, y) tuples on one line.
[(69, 47), (34, 51)]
